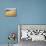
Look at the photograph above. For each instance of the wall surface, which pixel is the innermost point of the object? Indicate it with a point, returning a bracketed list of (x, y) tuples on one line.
[(28, 12)]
